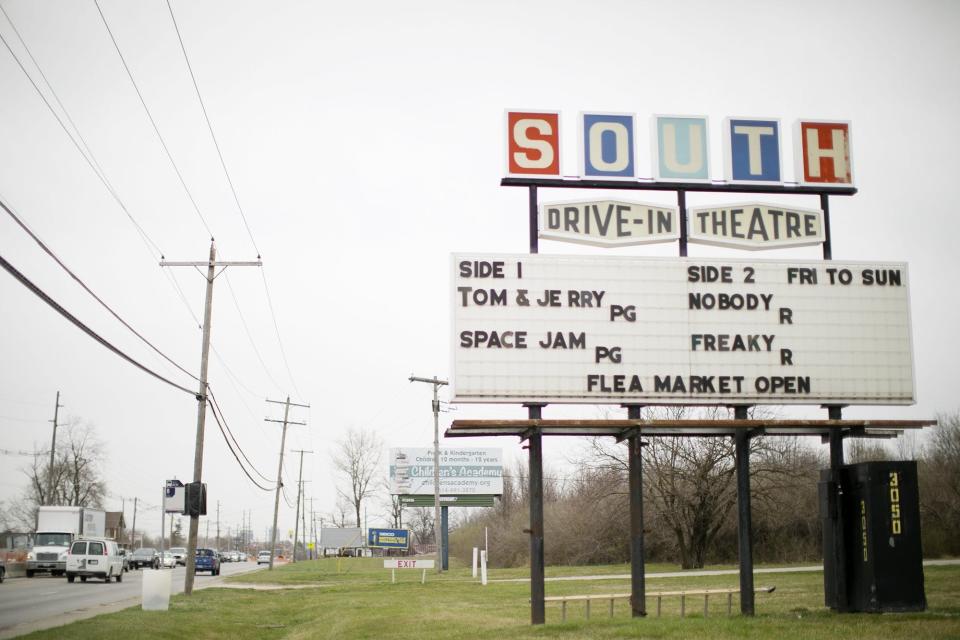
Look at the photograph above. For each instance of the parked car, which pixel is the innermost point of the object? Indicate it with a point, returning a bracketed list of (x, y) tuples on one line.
[(94, 558), (263, 557), (207, 560), (234, 556), (243, 557), (180, 553), (168, 560), (224, 556), (145, 557)]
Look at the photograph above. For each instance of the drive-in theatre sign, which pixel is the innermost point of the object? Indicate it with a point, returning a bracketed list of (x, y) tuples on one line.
[(585, 329)]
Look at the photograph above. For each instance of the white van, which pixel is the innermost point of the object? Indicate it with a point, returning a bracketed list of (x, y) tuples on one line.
[(96, 558)]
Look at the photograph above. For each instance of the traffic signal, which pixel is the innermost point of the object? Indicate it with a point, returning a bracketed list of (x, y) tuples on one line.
[(195, 500)]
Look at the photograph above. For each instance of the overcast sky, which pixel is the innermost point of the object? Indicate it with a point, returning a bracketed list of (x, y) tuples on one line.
[(365, 143)]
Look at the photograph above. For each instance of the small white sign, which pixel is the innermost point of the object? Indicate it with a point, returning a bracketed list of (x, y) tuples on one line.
[(407, 563), (754, 225), (608, 223)]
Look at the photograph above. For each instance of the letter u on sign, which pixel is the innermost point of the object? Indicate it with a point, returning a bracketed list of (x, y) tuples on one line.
[(607, 145), (533, 143), (681, 152)]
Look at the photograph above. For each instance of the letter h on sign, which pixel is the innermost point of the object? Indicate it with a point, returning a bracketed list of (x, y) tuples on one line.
[(607, 146), (823, 153), (751, 150), (533, 143)]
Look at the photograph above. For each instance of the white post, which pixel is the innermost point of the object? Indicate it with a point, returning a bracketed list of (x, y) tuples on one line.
[(483, 568), (423, 578), (475, 554), (393, 576)]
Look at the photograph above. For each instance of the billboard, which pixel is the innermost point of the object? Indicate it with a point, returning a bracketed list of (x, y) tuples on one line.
[(591, 329), (388, 538), (463, 471)]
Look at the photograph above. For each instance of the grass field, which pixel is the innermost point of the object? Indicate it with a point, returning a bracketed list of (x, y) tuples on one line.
[(353, 598)]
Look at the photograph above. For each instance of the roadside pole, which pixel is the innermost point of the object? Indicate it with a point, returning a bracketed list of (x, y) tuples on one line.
[(53, 452), (437, 533), (211, 265), (283, 443)]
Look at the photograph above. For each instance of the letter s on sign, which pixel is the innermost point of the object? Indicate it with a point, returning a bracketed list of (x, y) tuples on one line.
[(533, 143)]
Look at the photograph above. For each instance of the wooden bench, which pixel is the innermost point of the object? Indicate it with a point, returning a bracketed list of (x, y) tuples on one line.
[(659, 595)]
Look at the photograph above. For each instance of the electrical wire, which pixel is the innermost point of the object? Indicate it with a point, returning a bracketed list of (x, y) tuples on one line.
[(148, 241), (246, 328), (90, 332), (11, 452), (229, 446), (91, 160), (236, 198), (153, 122), (206, 117), (53, 92), (276, 327), (56, 259), (216, 406)]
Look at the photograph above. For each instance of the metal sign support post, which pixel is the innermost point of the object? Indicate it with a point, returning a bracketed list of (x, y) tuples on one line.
[(445, 531), (835, 412), (638, 587), (744, 519), (535, 450)]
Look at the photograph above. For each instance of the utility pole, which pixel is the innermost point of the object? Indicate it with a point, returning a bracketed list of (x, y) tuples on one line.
[(218, 525), (436, 463), (296, 518), (313, 531), (53, 451), (283, 443), (133, 529), (211, 264)]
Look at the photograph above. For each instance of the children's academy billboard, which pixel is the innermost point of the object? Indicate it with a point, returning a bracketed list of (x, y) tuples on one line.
[(463, 471)]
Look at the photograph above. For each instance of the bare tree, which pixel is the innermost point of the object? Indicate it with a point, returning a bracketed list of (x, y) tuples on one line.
[(357, 458), (690, 484), (421, 522), (77, 479), (940, 487)]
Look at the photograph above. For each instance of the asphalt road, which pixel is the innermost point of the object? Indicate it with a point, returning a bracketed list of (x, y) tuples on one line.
[(41, 602)]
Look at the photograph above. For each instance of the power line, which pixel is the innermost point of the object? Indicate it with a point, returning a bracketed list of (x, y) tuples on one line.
[(90, 332), (216, 406), (233, 190), (246, 328), (56, 259), (276, 327), (153, 122), (53, 92), (151, 245), (206, 117), (91, 159), (216, 417), (11, 452)]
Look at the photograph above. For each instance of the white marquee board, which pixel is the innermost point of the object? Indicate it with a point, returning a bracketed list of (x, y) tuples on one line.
[(587, 329)]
